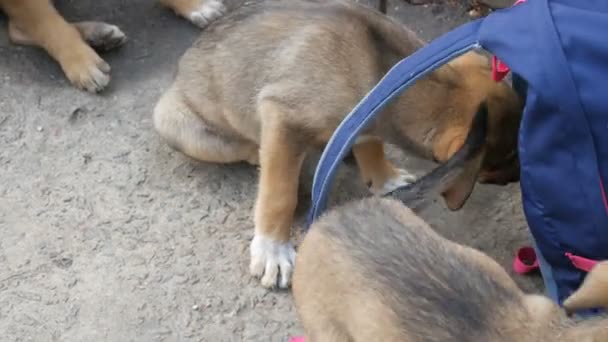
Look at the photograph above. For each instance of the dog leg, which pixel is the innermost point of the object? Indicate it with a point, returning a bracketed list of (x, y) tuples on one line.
[(36, 22), (186, 132), (272, 254), (100, 36), (199, 12), (380, 175)]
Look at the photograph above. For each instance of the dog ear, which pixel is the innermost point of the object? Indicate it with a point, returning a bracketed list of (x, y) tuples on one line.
[(455, 139), (463, 186), (593, 293)]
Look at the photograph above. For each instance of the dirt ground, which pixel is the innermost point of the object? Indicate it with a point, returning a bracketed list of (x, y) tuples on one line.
[(109, 235)]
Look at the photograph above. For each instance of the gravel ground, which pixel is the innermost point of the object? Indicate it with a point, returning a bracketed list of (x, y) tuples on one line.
[(109, 235)]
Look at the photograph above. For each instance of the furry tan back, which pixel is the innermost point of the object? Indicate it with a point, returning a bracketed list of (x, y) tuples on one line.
[(373, 271)]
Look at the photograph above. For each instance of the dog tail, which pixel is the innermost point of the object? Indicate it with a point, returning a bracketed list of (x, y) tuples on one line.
[(416, 194)]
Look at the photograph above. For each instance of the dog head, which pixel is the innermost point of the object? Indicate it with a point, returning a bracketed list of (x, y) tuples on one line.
[(469, 84), (501, 163)]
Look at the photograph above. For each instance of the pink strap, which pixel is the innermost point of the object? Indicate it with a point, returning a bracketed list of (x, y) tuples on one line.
[(581, 263), (604, 194), (500, 69), (297, 339)]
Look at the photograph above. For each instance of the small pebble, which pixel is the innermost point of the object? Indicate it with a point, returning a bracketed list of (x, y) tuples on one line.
[(39, 128)]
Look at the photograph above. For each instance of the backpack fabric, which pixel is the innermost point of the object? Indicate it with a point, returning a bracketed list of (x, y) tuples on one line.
[(557, 51)]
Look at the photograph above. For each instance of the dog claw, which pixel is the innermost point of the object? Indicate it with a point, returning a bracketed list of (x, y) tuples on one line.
[(109, 38), (272, 261), (208, 12), (102, 36), (90, 73)]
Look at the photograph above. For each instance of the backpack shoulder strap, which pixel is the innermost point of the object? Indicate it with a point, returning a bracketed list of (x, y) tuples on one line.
[(401, 76)]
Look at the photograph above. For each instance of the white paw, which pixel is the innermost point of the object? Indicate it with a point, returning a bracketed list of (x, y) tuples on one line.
[(272, 260), (402, 178), (207, 12), (102, 36), (108, 38)]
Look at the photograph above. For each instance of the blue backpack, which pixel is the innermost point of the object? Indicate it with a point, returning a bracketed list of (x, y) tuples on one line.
[(557, 51)]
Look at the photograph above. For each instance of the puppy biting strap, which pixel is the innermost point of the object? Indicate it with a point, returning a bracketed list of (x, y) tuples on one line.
[(400, 77)]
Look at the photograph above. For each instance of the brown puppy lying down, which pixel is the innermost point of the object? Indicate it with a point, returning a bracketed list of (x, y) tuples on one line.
[(372, 270), (73, 45), (272, 80)]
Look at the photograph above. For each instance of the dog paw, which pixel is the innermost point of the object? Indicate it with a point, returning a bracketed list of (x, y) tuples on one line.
[(402, 178), (207, 12), (102, 36), (272, 261), (86, 70)]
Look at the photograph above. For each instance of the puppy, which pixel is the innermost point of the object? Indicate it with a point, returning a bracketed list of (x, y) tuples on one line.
[(272, 80), (372, 270), (73, 45)]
